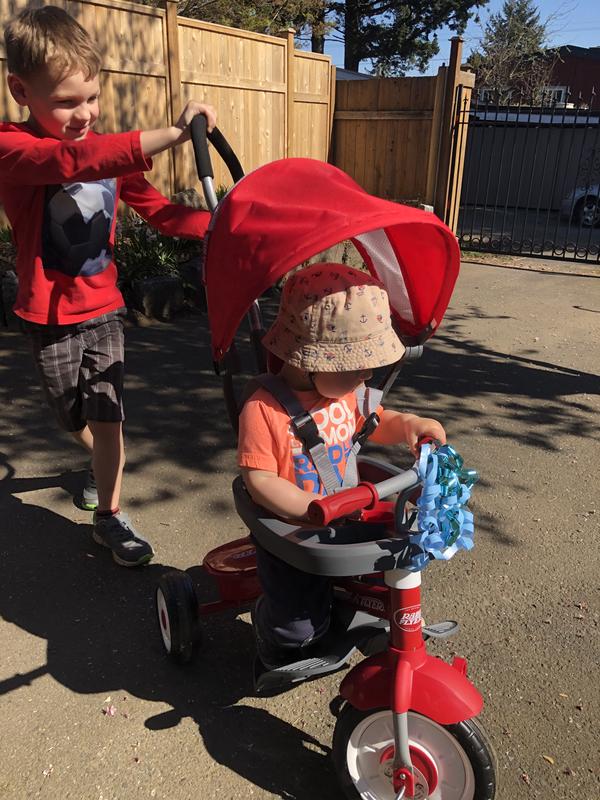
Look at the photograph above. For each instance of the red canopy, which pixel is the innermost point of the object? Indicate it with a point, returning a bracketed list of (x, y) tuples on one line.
[(287, 211)]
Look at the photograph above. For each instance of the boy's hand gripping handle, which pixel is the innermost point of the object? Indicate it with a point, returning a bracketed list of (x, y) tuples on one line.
[(342, 504)]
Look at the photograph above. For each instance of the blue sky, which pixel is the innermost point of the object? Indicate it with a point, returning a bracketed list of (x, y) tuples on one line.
[(571, 22)]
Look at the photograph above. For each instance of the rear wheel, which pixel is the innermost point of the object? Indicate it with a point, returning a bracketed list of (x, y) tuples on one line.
[(455, 762), (177, 614)]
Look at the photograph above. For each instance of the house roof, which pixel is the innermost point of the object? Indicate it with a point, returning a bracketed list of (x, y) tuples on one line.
[(592, 53), (342, 74)]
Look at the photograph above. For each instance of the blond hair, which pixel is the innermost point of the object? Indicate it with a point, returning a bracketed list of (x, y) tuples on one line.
[(49, 39)]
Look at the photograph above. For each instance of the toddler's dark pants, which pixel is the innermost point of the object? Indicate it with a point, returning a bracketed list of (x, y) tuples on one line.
[(295, 608)]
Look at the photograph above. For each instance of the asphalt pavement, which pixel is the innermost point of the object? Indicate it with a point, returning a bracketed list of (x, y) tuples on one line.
[(90, 707)]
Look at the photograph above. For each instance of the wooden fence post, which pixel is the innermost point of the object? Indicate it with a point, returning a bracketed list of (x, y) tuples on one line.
[(174, 79), (332, 88), (288, 34), (433, 153), (446, 128), (459, 149)]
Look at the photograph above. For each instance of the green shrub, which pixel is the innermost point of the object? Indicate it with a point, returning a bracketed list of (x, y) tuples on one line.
[(142, 252)]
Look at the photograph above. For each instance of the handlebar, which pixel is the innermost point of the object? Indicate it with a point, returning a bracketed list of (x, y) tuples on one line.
[(342, 504), (365, 495), (200, 138)]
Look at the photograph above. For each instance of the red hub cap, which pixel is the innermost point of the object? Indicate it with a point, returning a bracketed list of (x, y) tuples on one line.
[(421, 760)]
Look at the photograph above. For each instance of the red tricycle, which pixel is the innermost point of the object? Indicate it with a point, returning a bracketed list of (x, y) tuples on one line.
[(406, 720)]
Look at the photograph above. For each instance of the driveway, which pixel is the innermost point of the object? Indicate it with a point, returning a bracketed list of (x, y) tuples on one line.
[(513, 373)]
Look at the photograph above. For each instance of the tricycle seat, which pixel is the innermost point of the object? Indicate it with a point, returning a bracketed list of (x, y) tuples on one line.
[(233, 566)]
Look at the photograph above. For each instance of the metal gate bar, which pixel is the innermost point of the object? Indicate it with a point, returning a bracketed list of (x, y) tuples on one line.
[(531, 182)]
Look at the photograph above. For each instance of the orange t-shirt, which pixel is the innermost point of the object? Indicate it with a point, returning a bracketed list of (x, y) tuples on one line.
[(267, 440)]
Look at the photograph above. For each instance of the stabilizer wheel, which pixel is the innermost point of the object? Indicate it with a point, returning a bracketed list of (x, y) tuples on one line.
[(177, 614), (456, 762)]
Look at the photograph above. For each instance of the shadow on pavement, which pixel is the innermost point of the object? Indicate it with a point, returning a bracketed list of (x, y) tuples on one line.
[(100, 630), (102, 637)]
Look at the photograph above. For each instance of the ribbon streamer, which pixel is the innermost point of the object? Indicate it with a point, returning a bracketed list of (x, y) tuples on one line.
[(445, 523)]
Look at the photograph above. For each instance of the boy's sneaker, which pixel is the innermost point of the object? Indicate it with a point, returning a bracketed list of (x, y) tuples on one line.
[(89, 495), (116, 532)]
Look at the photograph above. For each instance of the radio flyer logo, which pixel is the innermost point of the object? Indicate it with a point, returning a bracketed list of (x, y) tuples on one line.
[(408, 618)]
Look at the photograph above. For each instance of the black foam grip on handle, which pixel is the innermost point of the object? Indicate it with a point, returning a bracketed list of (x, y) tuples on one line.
[(200, 145), (223, 148), (200, 139)]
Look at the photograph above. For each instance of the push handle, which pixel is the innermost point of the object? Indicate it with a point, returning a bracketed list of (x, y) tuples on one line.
[(200, 145), (200, 139), (342, 504)]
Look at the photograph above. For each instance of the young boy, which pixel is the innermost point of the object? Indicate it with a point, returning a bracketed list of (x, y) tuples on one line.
[(60, 184), (333, 329)]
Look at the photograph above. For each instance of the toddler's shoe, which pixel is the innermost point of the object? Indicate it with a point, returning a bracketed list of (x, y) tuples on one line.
[(116, 532), (275, 656), (89, 496)]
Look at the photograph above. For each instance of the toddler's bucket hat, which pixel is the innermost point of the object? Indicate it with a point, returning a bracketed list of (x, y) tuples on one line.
[(333, 318)]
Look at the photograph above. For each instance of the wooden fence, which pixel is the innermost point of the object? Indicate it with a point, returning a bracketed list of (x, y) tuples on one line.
[(397, 137), (272, 101)]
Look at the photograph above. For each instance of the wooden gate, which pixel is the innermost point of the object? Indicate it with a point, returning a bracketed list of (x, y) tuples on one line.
[(396, 136)]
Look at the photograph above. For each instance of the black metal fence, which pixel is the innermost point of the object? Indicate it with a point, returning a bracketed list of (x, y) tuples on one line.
[(531, 179)]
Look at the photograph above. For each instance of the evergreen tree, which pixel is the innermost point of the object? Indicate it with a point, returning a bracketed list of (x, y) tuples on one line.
[(397, 36), (260, 16), (513, 61)]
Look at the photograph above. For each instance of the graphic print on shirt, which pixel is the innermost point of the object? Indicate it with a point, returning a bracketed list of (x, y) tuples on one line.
[(77, 222), (336, 424)]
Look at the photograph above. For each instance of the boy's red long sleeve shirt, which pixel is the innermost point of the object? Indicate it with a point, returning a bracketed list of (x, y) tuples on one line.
[(61, 199)]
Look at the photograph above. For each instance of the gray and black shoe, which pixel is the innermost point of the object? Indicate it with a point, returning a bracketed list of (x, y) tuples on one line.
[(89, 496), (116, 532)]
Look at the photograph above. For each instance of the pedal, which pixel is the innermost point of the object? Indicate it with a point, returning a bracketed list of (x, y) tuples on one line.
[(274, 681), (441, 630), (350, 630), (268, 683)]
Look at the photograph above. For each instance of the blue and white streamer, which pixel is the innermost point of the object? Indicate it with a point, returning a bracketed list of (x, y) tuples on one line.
[(445, 523)]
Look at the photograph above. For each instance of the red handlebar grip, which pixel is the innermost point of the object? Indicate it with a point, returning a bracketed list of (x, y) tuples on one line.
[(429, 440), (322, 511)]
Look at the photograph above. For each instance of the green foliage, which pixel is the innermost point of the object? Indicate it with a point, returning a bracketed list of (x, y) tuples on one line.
[(397, 36), (142, 252), (5, 236), (221, 190), (8, 252), (513, 59), (261, 16)]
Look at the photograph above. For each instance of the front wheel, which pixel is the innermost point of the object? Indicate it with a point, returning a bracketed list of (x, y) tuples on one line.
[(457, 762)]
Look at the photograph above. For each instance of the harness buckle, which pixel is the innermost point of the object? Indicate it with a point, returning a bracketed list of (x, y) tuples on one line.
[(368, 427), (307, 430)]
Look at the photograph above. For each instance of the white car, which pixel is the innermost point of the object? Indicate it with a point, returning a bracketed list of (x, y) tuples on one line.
[(582, 206)]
